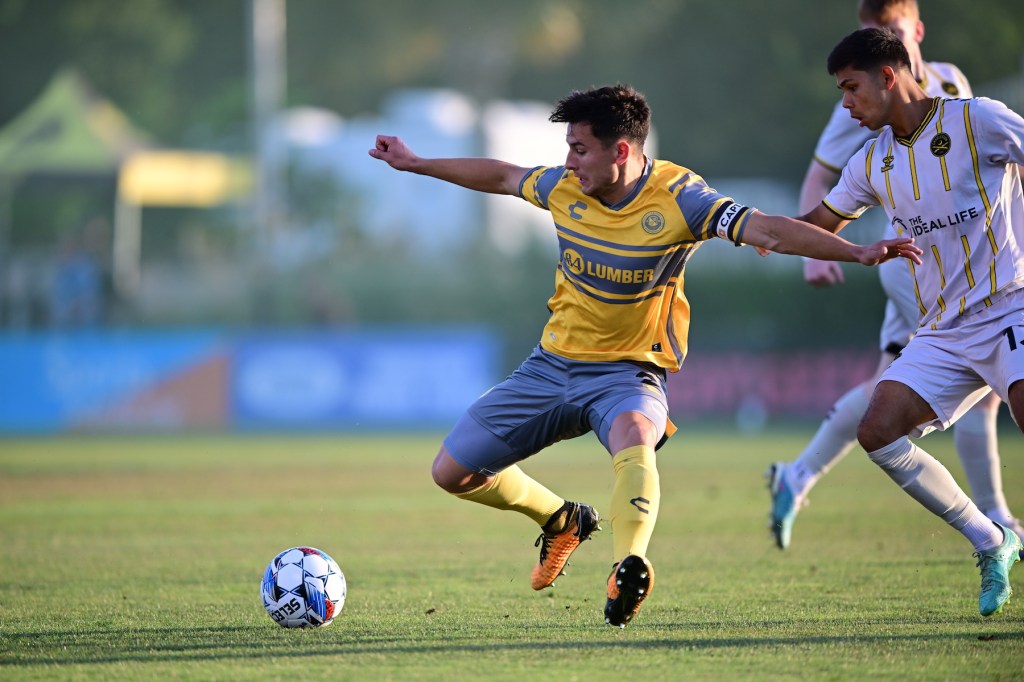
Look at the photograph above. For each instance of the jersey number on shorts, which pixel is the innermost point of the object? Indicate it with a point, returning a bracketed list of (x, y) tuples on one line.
[(1008, 332)]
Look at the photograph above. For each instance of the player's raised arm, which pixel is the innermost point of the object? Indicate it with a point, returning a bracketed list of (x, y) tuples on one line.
[(483, 175), (792, 236)]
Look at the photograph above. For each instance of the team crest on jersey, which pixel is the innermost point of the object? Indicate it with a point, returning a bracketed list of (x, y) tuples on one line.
[(887, 163), (653, 222), (940, 144), (950, 88)]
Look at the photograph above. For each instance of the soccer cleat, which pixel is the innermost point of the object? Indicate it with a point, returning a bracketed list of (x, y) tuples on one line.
[(631, 580), (995, 567), (784, 505), (1008, 521), (560, 536)]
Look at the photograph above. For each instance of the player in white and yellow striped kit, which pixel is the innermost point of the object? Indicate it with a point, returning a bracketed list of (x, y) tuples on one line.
[(974, 435), (946, 172)]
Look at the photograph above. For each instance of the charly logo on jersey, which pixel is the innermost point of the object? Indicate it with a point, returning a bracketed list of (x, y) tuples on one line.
[(575, 208), (940, 144), (950, 88), (653, 222)]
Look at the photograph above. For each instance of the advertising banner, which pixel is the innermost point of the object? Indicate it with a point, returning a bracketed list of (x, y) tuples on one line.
[(380, 378)]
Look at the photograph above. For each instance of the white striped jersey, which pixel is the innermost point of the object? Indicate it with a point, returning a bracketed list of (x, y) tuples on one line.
[(619, 281), (843, 134), (954, 185)]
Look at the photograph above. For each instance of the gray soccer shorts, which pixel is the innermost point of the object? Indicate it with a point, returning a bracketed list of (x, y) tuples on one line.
[(550, 398)]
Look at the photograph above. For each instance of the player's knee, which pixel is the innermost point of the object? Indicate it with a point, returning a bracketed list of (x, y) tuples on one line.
[(1016, 402), (871, 434), (631, 428), (442, 474), (452, 477)]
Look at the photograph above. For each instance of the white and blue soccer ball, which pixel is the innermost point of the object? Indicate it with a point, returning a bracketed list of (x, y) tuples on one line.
[(303, 587)]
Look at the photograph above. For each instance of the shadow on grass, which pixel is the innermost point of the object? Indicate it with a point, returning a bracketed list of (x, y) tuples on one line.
[(142, 645)]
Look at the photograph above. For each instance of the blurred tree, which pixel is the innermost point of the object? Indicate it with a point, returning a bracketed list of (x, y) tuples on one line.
[(739, 88), (177, 67)]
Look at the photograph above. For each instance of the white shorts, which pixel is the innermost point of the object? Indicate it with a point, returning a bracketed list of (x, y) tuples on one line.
[(901, 311), (952, 369)]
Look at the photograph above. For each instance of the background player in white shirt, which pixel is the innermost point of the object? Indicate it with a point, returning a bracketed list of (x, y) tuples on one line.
[(975, 434), (945, 171)]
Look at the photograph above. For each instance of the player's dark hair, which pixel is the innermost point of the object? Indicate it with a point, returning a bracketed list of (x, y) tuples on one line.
[(867, 50), (614, 112)]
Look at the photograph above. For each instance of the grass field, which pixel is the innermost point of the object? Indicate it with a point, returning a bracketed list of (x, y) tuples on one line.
[(140, 558)]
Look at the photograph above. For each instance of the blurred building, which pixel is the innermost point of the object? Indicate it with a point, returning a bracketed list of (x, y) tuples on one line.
[(430, 216)]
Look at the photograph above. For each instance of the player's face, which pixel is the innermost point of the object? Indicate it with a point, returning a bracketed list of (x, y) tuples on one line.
[(593, 164), (864, 96)]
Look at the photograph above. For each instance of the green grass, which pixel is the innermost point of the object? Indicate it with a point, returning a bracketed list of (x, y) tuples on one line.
[(140, 558)]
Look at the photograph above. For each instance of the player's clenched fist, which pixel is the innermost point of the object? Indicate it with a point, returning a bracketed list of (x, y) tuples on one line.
[(393, 151)]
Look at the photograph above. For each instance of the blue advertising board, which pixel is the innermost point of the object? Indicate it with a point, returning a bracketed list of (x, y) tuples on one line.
[(380, 378)]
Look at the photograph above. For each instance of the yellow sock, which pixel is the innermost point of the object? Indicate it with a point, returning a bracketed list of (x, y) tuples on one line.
[(635, 499), (512, 489)]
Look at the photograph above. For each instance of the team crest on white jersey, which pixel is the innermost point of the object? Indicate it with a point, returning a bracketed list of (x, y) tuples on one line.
[(940, 144), (653, 222)]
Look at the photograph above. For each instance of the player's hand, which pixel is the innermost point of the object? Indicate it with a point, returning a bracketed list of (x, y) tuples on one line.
[(761, 251), (887, 249), (822, 273), (394, 152)]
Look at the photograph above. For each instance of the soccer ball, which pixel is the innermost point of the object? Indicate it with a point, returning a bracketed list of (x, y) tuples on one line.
[(303, 587)]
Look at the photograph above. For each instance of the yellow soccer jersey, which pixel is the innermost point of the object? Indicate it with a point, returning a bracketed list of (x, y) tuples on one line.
[(954, 185), (619, 281)]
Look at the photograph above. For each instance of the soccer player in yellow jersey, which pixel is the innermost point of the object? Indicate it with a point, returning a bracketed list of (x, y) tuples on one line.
[(626, 226), (790, 482), (946, 172)]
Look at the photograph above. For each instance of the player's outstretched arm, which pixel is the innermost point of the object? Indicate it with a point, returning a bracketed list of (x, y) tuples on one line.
[(483, 175), (818, 181), (792, 236)]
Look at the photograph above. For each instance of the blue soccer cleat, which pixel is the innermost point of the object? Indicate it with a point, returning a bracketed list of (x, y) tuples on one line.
[(995, 567), (784, 505)]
